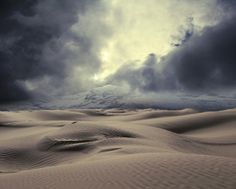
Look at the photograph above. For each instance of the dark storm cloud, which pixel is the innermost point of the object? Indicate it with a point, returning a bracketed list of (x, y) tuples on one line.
[(205, 62), (227, 4), (31, 42), (208, 60)]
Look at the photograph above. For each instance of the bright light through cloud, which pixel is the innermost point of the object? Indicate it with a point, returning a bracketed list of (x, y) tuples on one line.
[(143, 27), (122, 31)]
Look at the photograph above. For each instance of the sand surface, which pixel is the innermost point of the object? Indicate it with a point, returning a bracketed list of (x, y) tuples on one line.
[(118, 149)]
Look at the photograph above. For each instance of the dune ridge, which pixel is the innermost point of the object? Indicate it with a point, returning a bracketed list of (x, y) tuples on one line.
[(116, 148)]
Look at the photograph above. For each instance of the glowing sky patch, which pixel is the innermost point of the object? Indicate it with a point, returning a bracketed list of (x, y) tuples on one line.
[(143, 27)]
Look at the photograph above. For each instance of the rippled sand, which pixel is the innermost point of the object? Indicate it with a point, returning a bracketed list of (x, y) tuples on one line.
[(119, 149)]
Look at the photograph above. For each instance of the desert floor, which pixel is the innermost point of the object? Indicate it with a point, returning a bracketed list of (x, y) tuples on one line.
[(118, 149)]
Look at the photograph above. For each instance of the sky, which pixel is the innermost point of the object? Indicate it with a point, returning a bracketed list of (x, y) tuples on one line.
[(117, 53)]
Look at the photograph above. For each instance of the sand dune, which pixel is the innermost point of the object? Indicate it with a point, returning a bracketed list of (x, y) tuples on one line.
[(117, 149)]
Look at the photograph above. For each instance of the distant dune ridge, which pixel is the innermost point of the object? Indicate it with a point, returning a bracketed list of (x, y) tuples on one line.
[(119, 149)]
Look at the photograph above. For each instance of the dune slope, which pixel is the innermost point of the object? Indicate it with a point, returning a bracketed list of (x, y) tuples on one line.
[(117, 149)]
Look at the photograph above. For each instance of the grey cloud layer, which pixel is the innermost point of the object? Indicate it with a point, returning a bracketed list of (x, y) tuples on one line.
[(32, 43)]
